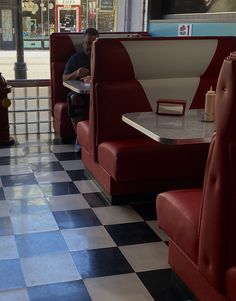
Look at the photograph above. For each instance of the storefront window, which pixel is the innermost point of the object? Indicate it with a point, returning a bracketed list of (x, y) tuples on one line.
[(106, 15), (38, 22), (43, 17)]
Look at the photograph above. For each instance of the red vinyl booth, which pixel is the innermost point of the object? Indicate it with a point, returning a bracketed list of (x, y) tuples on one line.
[(201, 223), (123, 161), (62, 46)]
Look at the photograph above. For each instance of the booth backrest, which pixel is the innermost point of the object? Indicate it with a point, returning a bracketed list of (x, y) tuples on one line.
[(129, 75), (62, 46), (217, 244)]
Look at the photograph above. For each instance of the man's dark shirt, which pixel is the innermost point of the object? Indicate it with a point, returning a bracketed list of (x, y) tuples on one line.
[(76, 61)]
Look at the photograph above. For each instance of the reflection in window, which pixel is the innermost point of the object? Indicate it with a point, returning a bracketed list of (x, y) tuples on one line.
[(7, 35)]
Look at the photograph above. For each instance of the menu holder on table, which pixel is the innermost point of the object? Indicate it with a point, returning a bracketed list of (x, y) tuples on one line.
[(170, 107)]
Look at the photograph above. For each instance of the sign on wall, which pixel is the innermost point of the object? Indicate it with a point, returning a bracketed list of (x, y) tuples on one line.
[(68, 2), (106, 5), (184, 30), (68, 19)]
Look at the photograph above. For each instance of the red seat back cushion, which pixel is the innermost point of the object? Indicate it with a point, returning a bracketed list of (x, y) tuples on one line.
[(178, 215)]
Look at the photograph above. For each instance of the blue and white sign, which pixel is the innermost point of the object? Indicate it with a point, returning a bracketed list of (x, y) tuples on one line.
[(184, 30)]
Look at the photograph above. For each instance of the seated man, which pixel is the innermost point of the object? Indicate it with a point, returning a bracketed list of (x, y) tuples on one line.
[(78, 67)]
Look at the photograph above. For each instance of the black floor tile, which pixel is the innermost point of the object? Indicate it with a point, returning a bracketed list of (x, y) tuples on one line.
[(67, 291), (165, 285), (76, 218), (2, 195), (59, 188), (146, 210), (15, 180), (132, 233), (101, 262), (5, 226), (95, 199), (156, 281), (11, 160), (77, 175), (68, 156)]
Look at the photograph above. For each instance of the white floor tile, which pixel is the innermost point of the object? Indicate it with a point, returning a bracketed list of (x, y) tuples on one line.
[(52, 177), (19, 192), (126, 287), (13, 152), (63, 148), (34, 142), (18, 169), (31, 223), (53, 268), (4, 210), (8, 249), (28, 206), (146, 257), (117, 215), (87, 238), (87, 186), (72, 164), (14, 295), (67, 202), (39, 158)]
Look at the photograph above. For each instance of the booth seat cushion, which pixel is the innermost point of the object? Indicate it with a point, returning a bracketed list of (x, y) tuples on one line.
[(230, 283), (144, 159), (61, 115), (83, 134), (59, 92), (61, 112), (178, 215)]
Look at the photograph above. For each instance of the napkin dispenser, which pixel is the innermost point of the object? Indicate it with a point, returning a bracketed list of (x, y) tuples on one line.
[(170, 107)]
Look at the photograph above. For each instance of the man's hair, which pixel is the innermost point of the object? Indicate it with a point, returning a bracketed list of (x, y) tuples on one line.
[(91, 32)]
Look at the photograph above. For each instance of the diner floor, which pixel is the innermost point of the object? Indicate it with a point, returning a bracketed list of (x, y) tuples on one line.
[(60, 241)]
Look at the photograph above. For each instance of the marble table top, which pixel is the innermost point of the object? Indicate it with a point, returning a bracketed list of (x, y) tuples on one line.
[(77, 86), (187, 129)]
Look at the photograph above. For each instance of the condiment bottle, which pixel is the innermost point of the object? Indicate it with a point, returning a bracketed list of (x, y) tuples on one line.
[(209, 112)]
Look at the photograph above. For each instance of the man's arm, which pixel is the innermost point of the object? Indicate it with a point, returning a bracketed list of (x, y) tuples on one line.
[(77, 74), (73, 69)]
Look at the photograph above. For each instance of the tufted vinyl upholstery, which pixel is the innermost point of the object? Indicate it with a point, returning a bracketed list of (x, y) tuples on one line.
[(206, 259)]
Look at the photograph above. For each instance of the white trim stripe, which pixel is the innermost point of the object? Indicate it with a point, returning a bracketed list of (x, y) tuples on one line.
[(170, 88), (170, 69), (170, 58)]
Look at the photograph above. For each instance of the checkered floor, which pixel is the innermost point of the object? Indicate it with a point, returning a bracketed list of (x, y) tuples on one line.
[(59, 240)]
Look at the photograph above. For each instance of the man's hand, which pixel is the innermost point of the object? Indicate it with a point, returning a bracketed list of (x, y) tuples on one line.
[(86, 79), (81, 72)]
